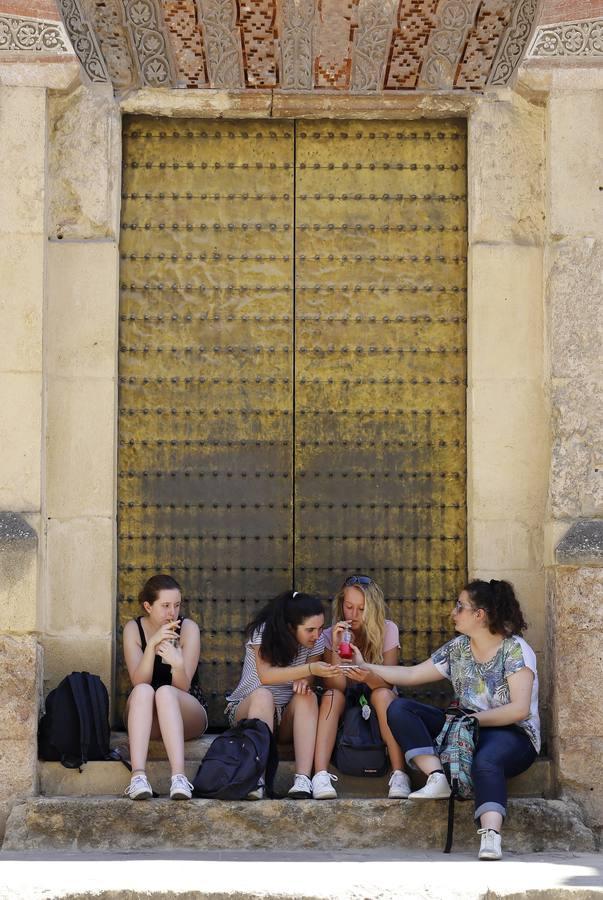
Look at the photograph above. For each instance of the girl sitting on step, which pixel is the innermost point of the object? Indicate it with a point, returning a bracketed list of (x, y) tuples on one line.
[(283, 655), (359, 608), (493, 672), (161, 651)]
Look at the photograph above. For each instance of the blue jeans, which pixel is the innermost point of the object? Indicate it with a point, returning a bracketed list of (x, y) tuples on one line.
[(501, 752)]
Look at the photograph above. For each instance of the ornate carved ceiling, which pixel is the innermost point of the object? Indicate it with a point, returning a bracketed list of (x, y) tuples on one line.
[(353, 46)]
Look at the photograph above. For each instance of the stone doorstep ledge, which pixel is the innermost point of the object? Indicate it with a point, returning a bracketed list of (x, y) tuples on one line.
[(533, 825), (106, 779)]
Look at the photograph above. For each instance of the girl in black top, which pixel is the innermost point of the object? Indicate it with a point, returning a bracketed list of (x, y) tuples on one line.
[(161, 650)]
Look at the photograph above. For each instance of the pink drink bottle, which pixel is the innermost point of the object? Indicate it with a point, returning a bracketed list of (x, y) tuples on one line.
[(345, 651)]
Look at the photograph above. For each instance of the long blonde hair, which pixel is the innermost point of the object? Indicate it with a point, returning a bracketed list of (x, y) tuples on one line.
[(373, 619)]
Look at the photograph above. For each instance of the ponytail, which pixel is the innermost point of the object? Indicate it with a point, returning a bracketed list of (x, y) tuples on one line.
[(280, 618), (498, 600)]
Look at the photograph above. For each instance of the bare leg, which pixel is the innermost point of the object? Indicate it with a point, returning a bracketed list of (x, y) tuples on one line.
[(380, 700), (300, 720), (258, 705), (180, 717), (427, 763), (331, 710), (491, 819), (139, 719)]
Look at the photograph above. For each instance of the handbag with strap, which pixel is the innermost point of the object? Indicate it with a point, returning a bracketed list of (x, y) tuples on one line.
[(359, 749)]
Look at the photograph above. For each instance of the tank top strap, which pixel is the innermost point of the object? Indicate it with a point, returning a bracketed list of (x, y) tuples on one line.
[(143, 640)]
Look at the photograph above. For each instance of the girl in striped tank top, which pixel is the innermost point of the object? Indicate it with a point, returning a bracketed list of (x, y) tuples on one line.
[(283, 655)]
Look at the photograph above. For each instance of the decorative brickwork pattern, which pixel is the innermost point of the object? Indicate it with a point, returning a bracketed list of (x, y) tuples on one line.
[(575, 40), (32, 35), (373, 38), (446, 43), (222, 43), (147, 29), (181, 19), (493, 17), (107, 19), (258, 32), (83, 40), (514, 42), (296, 25), (416, 18), (336, 21)]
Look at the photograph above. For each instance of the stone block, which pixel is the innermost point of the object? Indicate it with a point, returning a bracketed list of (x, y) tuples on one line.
[(579, 599), (578, 679), (18, 768), (575, 147), (505, 298), (81, 447), (19, 676), (579, 778), (282, 825), (575, 295), (508, 441), (506, 170), (83, 299), (582, 545), (21, 301), (20, 439), (81, 575), (577, 449), (66, 654), (500, 545), (23, 159), (84, 163), (18, 574)]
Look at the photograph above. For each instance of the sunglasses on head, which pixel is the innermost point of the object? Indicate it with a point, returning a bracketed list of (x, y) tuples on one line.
[(357, 579)]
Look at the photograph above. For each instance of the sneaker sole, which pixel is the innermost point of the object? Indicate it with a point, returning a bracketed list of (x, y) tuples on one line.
[(180, 797), (144, 796), (420, 797), (398, 796), (489, 858), (325, 796), (299, 795)]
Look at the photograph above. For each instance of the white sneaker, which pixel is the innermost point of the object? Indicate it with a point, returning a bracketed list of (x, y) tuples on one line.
[(139, 788), (180, 788), (399, 786), (259, 792), (322, 788), (302, 788), (490, 847), (436, 788)]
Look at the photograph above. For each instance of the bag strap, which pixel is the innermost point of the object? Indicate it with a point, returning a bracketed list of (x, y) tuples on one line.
[(450, 827), (82, 711), (101, 725)]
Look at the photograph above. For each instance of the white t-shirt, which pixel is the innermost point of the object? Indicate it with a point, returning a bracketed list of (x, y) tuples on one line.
[(250, 679)]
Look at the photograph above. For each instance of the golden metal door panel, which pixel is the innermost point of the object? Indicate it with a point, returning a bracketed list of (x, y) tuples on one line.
[(293, 318), (206, 374), (381, 364)]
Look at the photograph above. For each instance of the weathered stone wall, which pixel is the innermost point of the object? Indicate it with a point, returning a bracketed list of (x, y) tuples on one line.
[(574, 291), (81, 367), (507, 409)]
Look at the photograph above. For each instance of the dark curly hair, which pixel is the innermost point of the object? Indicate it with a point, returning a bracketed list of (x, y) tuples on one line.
[(150, 590), (498, 600), (280, 617)]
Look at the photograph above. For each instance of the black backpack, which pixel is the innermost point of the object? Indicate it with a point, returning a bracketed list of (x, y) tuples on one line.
[(235, 762), (75, 726), (359, 749)]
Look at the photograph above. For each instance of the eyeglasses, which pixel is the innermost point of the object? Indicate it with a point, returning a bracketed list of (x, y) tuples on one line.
[(459, 606), (357, 579)]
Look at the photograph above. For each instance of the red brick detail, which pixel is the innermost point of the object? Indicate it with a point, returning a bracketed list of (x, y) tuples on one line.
[(416, 19), (33, 9), (336, 21), (257, 20), (482, 43), (187, 41), (570, 10)]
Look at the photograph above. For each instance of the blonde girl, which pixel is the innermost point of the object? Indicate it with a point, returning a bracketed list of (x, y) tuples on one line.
[(360, 606)]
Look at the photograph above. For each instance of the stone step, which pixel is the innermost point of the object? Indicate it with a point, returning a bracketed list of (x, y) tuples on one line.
[(102, 824), (110, 778)]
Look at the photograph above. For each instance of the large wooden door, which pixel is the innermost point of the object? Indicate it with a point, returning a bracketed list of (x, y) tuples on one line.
[(292, 369)]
